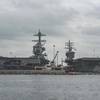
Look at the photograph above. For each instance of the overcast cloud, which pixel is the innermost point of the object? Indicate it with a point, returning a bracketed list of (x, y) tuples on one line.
[(61, 20)]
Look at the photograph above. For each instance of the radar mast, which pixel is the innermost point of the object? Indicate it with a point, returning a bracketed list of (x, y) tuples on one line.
[(70, 54), (38, 50)]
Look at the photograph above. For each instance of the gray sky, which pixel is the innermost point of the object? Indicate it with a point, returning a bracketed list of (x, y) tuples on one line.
[(61, 20)]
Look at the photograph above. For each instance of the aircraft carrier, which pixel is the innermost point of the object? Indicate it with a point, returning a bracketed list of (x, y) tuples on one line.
[(39, 64), (37, 60), (89, 65)]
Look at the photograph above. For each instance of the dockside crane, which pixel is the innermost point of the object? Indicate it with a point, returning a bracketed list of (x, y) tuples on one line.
[(53, 61)]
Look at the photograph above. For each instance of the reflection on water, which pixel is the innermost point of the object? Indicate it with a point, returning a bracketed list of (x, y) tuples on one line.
[(49, 87)]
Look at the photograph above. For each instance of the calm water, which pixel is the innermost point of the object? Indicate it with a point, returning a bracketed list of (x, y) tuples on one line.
[(49, 87)]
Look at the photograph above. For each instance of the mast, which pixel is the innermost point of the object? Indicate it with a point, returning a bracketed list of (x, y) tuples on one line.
[(39, 34), (70, 54), (38, 50)]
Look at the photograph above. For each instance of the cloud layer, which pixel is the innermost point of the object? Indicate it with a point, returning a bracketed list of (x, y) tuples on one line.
[(61, 20)]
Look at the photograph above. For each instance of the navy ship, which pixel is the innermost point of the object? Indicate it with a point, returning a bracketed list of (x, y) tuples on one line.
[(81, 65), (37, 60)]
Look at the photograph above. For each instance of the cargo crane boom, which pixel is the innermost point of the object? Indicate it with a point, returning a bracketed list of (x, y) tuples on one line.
[(55, 57)]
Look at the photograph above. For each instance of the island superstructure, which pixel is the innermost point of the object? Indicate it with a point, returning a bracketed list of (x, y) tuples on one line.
[(70, 54), (39, 57)]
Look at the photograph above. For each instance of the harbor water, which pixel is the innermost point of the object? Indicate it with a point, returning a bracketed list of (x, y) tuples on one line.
[(49, 87)]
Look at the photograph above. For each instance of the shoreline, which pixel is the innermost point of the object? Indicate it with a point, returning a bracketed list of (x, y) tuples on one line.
[(44, 72), (32, 72)]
